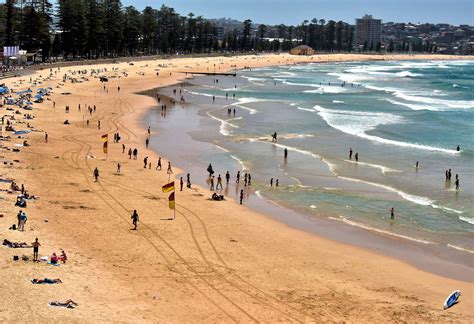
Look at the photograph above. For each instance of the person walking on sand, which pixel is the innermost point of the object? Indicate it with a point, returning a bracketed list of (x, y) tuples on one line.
[(18, 217), (118, 167), (219, 182), (135, 153), (350, 153), (147, 141), (158, 166), (392, 213), (135, 219), (96, 174), (212, 183), (169, 170), (181, 184), (145, 162), (36, 246), (241, 196), (98, 124), (148, 131), (123, 148), (285, 154), (23, 220), (46, 137), (276, 183), (130, 153)]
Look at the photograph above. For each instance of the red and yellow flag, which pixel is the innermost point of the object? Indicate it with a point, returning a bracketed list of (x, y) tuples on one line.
[(105, 139), (171, 200), (168, 187)]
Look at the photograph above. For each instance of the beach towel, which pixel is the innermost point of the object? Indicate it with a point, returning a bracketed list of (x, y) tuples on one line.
[(54, 264)]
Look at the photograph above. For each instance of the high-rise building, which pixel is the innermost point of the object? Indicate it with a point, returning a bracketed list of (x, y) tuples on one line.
[(368, 31)]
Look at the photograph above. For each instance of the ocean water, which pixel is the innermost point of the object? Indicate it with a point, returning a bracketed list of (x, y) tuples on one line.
[(392, 113)]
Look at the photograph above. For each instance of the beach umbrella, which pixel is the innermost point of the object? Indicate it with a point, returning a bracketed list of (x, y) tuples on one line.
[(3, 90)]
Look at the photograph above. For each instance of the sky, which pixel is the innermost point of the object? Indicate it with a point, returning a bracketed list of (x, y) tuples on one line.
[(454, 12)]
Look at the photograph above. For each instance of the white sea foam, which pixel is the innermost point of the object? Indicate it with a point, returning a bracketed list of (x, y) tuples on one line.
[(254, 80), (377, 230), (306, 109), (467, 219), (460, 248), (382, 168), (358, 123), (203, 94), (419, 200), (338, 101), (327, 89), (404, 74), (242, 164), (457, 104), (224, 127), (414, 96), (414, 106), (222, 148)]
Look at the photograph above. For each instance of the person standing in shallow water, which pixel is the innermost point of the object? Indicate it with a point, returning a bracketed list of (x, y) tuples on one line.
[(456, 183), (357, 156), (392, 213), (188, 180), (227, 177), (350, 153), (285, 153)]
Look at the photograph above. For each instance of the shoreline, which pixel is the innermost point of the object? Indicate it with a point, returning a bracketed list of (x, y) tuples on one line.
[(447, 262), (201, 267)]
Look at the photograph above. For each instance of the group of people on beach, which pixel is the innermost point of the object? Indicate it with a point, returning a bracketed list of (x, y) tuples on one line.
[(448, 176)]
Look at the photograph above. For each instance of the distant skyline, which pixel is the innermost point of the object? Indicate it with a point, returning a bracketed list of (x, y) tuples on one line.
[(293, 12)]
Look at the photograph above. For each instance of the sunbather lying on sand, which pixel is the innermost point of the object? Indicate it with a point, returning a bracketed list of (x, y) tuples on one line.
[(46, 281), (15, 245), (68, 303)]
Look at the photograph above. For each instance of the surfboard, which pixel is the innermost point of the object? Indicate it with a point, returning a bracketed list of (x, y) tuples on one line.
[(452, 299)]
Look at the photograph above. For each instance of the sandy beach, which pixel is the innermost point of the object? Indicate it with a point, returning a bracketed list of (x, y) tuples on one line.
[(216, 262)]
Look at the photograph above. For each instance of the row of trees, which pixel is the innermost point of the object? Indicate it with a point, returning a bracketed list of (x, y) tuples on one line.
[(104, 28)]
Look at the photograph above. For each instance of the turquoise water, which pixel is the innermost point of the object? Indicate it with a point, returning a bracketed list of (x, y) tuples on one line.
[(391, 113)]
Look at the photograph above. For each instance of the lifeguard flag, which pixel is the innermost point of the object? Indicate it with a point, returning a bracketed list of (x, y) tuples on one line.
[(171, 200), (105, 139), (168, 187)]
